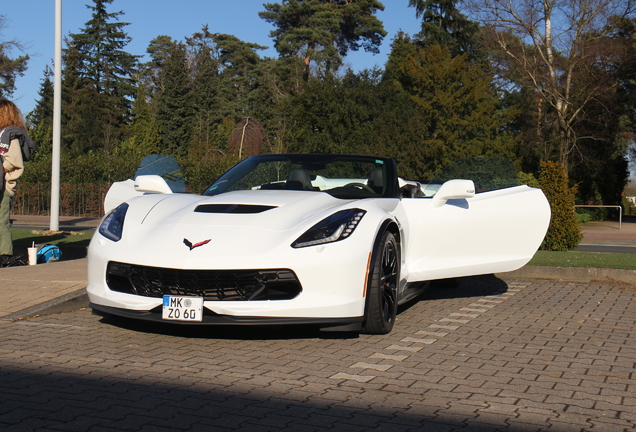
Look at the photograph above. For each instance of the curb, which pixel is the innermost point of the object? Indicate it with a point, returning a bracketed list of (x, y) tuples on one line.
[(573, 274), (71, 221), (67, 303)]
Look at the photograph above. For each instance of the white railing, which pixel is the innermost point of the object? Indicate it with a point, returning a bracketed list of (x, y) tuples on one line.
[(620, 212)]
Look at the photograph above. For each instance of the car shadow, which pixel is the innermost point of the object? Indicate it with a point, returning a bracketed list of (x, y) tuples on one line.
[(469, 286), (464, 287)]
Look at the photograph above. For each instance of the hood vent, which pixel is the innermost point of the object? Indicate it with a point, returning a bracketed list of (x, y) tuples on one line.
[(232, 208)]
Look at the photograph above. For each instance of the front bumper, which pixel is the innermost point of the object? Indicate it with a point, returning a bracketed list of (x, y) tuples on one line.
[(209, 318), (332, 278)]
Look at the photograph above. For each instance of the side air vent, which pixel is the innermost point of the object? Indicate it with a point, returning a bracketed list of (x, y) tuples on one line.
[(232, 208)]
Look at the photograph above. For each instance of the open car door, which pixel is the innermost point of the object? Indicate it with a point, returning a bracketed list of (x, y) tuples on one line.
[(473, 218)]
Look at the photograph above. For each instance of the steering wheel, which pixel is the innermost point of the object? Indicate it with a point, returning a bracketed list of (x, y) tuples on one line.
[(361, 186)]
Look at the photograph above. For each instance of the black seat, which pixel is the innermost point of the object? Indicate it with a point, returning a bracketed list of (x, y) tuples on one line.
[(411, 191), (299, 179), (376, 181)]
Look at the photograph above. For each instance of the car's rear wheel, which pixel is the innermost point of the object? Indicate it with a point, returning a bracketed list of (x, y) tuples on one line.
[(381, 307)]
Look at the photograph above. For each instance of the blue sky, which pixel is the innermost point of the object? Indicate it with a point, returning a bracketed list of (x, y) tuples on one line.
[(32, 23)]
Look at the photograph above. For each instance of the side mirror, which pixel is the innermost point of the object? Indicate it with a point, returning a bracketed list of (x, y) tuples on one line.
[(152, 184), (453, 189)]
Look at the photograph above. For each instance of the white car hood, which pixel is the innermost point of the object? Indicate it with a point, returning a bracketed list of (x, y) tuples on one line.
[(289, 209), (158, 228)]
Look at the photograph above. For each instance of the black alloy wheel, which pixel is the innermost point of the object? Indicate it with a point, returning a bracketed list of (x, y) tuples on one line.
[(381, 307)]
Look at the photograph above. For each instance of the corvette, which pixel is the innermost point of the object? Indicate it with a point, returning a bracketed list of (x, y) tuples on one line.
[(337, 241)]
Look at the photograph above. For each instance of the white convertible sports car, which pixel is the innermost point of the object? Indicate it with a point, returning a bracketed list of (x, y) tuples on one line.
[(338, 241)]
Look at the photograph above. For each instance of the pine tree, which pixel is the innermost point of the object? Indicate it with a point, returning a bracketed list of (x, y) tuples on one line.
[(238, 67), (143, 132), (224, 71), (152, 71), (98, 83), (40, 120), (206, 95), (204, 65), (277, 82), (323, 31), (465, 118), (173, 104), (443, 24), (102, 59)]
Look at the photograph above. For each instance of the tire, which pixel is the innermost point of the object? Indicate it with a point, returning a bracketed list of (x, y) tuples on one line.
[(384, 275)]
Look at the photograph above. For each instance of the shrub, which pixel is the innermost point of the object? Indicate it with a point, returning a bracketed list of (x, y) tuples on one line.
[(564, 232), (583, 218), (628, 208), (528, 179), (199, 174)]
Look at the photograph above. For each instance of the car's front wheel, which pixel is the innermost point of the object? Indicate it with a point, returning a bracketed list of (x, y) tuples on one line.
[(381, 307)]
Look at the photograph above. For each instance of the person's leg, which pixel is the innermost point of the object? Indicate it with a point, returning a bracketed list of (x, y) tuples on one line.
[(6, 241)]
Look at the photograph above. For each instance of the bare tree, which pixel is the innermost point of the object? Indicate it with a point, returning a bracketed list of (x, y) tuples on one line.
[(246, 138), (558, 48)]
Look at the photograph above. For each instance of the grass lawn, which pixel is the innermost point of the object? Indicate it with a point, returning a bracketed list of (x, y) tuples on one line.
[(25, 237), (584, 259)]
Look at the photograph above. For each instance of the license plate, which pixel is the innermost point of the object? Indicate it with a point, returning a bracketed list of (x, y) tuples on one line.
[(182, 308)]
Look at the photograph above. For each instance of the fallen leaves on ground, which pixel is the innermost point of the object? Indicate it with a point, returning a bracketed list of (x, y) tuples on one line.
[(51, 232)]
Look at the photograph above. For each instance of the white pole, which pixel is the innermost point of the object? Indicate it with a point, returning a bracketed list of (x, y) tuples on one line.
[(57, 121)]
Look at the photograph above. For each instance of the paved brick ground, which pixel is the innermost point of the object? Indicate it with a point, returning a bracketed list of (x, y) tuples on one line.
[(485, 355), (28, 286)]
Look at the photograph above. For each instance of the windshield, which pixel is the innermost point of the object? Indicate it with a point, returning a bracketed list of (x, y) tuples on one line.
[(342, 176), (166, 167)]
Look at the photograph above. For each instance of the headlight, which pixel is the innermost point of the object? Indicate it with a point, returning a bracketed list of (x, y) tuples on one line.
[(336, 227), (113, 224)]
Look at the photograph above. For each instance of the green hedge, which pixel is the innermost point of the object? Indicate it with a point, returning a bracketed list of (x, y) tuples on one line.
[(83, 199)]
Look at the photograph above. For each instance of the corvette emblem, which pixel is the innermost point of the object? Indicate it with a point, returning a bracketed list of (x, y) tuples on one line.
[(189, 244)]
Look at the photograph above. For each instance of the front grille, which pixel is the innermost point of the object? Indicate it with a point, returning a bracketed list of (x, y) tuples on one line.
[(213, 285)]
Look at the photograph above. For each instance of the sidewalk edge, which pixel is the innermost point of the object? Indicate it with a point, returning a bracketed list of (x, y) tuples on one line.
[(573, 274), (67, 303)]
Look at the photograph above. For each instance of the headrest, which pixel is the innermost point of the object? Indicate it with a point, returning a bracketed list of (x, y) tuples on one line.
[(375, 178), (301, 176)]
